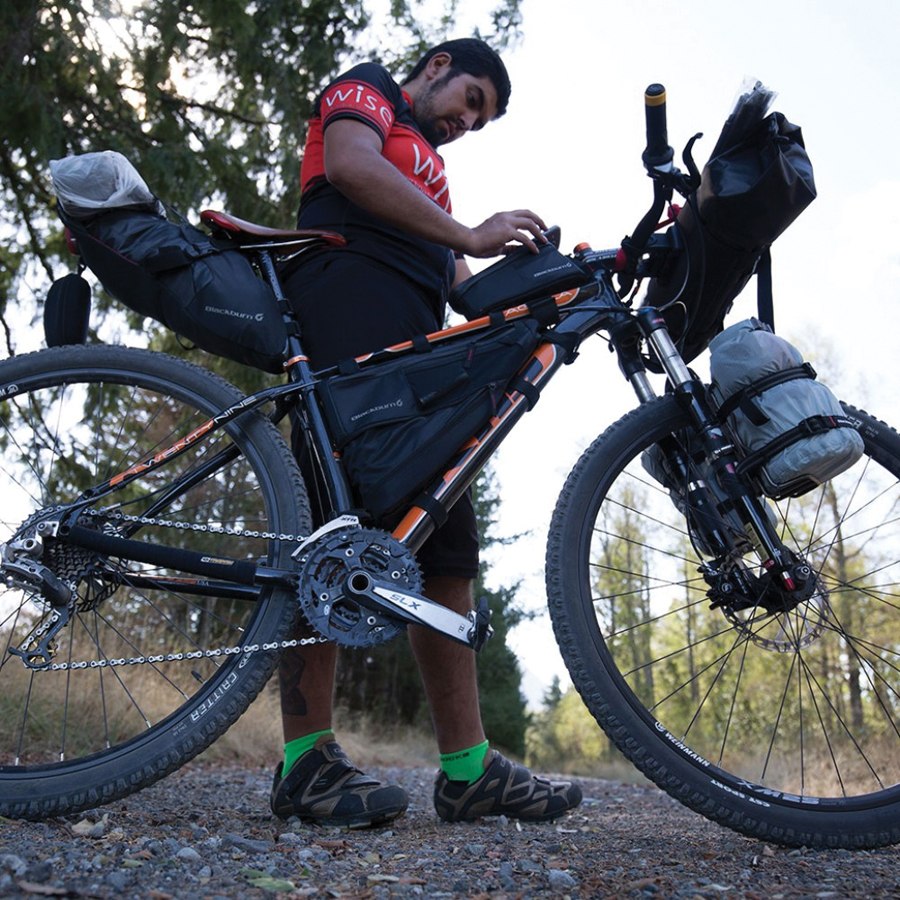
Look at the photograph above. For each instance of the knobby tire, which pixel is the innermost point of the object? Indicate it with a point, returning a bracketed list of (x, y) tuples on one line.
[(783, 727), (69, 418)]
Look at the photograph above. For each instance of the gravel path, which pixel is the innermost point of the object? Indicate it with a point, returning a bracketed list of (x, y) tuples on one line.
[(206, 832)]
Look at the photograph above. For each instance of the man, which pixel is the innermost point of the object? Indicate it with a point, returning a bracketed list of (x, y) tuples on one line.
[(370, 171)]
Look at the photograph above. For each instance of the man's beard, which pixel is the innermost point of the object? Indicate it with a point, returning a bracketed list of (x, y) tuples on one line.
[(423, 112)]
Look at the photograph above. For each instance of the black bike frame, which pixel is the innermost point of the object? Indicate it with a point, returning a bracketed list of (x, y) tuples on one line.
[(582, 312)]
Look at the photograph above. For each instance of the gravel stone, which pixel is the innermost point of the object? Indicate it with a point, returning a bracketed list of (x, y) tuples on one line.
[(629, 841)]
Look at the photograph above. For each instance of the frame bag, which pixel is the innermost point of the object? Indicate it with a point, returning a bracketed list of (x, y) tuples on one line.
[(174, 273), (792, 428), (757, 181), (397, 425)]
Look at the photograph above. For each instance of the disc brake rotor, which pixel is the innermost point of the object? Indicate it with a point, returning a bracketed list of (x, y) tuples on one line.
[(326, 565)]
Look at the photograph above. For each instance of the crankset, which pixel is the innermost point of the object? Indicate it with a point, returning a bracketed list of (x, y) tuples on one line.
[(362, 587)]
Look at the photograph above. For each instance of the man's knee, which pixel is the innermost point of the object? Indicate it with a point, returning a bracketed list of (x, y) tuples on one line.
[(450, 591)]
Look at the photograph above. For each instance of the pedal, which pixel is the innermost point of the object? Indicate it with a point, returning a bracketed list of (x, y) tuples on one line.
[(482, 631)]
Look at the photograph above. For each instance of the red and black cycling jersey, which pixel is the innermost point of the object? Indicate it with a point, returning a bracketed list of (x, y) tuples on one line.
[(370, 95)]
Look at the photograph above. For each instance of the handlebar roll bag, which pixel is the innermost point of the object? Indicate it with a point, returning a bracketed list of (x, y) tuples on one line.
[(757, 181)]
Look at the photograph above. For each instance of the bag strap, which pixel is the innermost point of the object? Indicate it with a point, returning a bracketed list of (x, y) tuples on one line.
[(765, 304), (807, 428), (744, 398)]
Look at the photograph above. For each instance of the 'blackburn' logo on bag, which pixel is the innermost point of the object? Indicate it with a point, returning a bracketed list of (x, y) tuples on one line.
[(394, 404), (256, 317)]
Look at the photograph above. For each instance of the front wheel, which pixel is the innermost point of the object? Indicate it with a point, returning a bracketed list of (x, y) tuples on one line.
[(784, 726), (151, 664)]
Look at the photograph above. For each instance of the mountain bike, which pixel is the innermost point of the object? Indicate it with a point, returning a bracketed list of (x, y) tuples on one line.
[(157, 551)]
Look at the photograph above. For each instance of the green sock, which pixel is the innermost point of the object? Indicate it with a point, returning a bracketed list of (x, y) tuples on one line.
[(465, 765), (294, 749)]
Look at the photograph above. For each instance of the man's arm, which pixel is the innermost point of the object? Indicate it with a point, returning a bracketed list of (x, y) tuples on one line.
[(462, 272), (355, 166)]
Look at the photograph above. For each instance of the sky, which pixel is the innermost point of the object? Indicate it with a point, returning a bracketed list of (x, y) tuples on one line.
[(569, 148)]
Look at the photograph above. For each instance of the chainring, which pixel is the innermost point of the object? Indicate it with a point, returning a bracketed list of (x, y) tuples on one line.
[(325, 567)]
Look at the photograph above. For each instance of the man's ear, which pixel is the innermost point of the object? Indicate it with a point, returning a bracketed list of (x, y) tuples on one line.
[(438, 65)]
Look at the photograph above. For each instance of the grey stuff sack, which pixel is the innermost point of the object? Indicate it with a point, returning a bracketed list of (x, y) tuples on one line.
[(791, 427)]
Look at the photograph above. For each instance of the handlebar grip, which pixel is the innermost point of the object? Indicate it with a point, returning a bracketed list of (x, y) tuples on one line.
[(658, 152)]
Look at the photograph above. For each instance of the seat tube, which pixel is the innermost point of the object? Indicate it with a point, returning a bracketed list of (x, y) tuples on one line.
[(300, 372)]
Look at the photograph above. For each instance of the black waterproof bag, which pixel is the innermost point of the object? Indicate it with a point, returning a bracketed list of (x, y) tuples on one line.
[(202, 289), (520, 277), (396, 425), (757, 181), (178, 275)]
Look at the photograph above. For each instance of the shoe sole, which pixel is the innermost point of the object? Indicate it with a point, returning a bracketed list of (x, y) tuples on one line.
[(352, 822)]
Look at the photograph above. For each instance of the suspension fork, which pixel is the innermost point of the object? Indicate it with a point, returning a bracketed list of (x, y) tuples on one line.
[(718, 448)]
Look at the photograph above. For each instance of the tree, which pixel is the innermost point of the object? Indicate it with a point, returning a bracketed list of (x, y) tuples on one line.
[(208, 98)]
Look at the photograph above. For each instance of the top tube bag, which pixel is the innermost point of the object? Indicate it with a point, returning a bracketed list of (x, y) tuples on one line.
[(170, 271)]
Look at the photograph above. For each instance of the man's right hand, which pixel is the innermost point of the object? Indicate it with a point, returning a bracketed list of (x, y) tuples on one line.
[(503, 231)]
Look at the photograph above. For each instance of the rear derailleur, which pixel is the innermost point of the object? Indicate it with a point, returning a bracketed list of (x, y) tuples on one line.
[(21, 568)]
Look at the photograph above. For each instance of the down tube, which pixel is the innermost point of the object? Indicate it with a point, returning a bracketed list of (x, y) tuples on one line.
[(417, 524)]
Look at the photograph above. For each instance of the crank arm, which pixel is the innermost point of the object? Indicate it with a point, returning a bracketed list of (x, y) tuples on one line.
[(472, 630)]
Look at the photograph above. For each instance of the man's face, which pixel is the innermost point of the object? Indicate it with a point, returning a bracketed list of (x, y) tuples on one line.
[(453, 104)]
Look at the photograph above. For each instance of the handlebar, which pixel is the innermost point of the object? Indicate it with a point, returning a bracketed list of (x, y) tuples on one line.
[(658, 154)]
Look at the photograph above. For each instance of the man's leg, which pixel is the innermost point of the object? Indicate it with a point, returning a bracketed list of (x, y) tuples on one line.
[(448, 670), (317, 782), (306, 683), (498, 786)]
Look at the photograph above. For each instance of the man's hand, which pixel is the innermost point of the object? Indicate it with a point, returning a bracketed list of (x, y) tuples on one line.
[(503, 230)]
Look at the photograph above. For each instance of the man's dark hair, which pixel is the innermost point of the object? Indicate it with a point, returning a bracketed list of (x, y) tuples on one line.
[(474, 57)]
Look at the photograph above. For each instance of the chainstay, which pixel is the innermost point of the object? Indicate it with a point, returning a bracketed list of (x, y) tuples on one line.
[(218, 652)]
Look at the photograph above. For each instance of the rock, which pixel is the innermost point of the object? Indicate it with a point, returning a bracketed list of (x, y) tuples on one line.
[(13, 864), (247, 844), (560, 879)]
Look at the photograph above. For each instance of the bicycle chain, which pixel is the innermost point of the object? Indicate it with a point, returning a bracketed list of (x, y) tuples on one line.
[(193, 654), (195, 526)]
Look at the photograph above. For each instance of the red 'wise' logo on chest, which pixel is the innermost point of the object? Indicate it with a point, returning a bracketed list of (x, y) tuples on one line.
[(361, 99), (415, 159)]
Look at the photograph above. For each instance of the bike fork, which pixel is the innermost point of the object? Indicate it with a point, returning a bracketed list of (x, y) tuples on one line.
[(719, 451)]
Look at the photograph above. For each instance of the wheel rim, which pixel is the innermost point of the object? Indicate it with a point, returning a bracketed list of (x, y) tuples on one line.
[(802, 703)]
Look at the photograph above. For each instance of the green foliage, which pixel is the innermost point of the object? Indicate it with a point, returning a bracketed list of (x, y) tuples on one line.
[(563, 737), (208, 98)]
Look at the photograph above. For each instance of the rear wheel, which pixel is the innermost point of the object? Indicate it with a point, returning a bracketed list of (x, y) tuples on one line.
[(783, 725), (136, 682)]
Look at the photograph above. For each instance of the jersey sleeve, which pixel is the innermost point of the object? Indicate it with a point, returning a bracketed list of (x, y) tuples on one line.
[(366, 93)]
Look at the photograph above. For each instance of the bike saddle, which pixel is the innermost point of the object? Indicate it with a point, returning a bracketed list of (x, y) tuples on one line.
[(243, 232)]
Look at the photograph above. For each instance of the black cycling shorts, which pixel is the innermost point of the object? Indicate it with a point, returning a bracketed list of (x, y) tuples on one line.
[(348, 305)]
